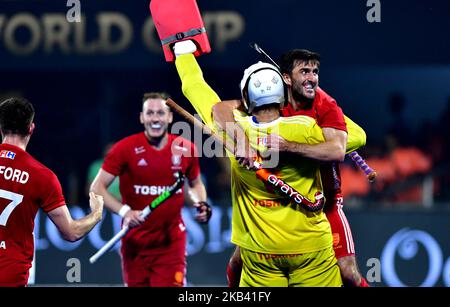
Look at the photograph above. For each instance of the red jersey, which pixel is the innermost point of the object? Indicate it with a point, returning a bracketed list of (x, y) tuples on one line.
[(144, 173), (328, 114), (324, 110), (25, 186)]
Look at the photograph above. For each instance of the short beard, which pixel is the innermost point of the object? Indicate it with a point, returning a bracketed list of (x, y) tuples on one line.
[(302, 99)]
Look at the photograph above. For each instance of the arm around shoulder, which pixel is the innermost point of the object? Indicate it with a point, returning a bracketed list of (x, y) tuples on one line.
[(223, 113)]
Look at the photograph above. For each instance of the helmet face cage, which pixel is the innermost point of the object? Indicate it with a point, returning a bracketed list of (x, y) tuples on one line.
[(249, 73)]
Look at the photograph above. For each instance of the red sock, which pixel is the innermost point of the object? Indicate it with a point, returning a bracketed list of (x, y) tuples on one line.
[(364, 283), (233, 277)]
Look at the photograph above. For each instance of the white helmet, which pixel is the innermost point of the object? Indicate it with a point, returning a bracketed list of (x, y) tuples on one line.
[(262, 84)]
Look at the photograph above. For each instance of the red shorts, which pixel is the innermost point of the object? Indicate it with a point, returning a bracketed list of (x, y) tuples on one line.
[(14, 276), (342, 235), (166, 268)]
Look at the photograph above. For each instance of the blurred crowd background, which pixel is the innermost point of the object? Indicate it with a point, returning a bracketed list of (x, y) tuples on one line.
[(86, 80)]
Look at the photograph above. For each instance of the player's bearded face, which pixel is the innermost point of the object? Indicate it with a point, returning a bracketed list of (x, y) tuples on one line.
[(156, 117), (304, 81)]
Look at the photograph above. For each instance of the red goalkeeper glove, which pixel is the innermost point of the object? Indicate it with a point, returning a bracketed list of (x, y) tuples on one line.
[(204, 212)]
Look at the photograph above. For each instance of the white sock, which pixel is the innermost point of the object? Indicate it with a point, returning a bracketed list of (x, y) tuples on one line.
[(184, 47)]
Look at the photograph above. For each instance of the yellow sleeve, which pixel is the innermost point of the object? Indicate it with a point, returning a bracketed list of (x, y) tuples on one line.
[(356, 135), (195, 89)]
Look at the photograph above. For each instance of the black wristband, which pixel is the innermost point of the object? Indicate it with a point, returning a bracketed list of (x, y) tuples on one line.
[(200, 208)]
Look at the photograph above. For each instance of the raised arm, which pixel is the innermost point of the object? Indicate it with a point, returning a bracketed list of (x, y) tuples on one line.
[(204, 99), (201, 96)]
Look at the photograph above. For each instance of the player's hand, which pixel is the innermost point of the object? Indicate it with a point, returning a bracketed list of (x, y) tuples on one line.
[(204, 212), (244, 153), (277, 143), (133, 218), (96, 204)]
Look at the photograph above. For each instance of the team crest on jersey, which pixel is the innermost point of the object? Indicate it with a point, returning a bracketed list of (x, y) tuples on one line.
[(142, 162), (176, 160), (180, 148), (261, 141), (139, 150), (7, 154)]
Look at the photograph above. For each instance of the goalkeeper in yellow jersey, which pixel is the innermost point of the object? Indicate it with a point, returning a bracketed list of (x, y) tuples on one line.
[(282, 244), (300, 70)]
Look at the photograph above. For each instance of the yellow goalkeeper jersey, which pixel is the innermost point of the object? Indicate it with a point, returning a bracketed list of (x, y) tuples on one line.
[(264, 221)]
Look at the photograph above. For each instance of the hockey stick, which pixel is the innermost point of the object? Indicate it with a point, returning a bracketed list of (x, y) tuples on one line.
[(263, 174), (147, 210), (359, 161), (200, 125), (370, 173), (262, 52)]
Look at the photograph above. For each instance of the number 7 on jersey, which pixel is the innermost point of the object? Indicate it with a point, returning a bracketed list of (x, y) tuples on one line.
[(15, 199)]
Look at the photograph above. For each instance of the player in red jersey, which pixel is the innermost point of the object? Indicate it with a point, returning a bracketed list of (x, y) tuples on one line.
[(153, 254), (25, 186), (300, 69)]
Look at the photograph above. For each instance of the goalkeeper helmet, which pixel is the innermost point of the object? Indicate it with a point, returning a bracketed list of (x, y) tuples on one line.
[(262, 84)]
